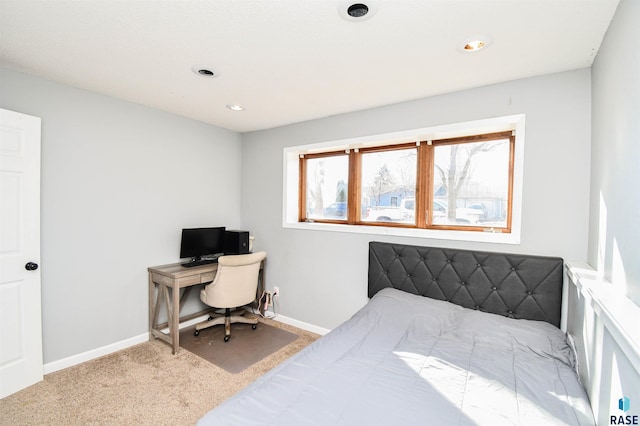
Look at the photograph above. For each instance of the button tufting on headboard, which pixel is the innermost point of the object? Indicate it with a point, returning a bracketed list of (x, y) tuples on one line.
[(530, 287)]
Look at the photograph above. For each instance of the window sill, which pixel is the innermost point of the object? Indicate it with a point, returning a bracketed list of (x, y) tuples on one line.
[(484, 237)]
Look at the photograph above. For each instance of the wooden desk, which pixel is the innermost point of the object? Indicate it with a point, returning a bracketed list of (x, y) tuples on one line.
[(165, 282)]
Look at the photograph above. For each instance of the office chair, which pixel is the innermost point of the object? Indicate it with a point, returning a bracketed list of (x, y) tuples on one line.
[(234, 286)]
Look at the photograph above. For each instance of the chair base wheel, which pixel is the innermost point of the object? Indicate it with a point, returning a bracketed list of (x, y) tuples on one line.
[(195, 333), (254, 326), (226, 338)]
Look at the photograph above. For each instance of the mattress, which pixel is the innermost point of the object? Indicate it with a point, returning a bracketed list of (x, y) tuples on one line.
[(407, 359)]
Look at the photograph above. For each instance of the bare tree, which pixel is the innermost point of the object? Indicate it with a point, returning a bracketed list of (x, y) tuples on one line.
[(341, 191), (407, 173), (382, 182), (315, 192), (460, 170)]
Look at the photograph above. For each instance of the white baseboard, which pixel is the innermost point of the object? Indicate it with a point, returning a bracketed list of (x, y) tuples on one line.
[(108, 349), (124, 344), (94, 353), (301, 324), (269, 314)]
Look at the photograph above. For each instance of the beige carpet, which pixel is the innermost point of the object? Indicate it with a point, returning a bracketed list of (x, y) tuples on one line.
[(141, 385), (245, 347)]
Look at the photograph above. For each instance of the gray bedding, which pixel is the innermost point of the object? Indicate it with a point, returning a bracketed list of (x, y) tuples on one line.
[(407, 359)]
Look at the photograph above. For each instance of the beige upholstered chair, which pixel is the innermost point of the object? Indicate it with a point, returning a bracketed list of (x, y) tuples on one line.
[(234, 286)]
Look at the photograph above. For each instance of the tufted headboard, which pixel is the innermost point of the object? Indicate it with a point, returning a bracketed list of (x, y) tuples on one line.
[(512, 285)]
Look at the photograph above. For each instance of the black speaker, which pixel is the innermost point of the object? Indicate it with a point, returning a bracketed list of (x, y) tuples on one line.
[(236, 242)]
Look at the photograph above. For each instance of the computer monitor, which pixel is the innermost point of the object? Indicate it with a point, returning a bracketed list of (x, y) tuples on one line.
[(199, 242)]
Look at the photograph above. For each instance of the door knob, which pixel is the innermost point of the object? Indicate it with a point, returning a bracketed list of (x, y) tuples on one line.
[(30, 266)]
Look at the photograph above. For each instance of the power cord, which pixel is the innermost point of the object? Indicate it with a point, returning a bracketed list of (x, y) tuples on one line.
[(268, 299)]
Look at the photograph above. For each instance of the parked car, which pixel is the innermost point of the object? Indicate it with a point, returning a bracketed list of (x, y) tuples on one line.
[(405, 211), (335, 210), (338, 210), (482, 209), (464, 215)]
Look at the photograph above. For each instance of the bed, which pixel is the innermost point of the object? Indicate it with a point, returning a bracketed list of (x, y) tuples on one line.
[(448, 337)]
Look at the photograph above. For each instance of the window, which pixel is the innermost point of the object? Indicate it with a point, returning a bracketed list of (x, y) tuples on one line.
[(388, 181), (466, 180), (453, 182), (326, 178), (475, 178)]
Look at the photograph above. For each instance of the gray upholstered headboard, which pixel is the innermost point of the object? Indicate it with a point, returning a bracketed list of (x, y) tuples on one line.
[(513, 285)]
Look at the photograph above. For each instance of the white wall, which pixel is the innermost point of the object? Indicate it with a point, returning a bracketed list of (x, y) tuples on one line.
[(614, 226), (604, 313), (604, 325), (119, 181), (322, 275)]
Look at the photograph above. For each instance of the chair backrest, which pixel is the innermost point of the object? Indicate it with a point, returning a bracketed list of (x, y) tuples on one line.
[(235, 282)]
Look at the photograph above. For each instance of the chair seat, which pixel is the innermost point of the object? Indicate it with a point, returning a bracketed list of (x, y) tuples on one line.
[(234, 285)]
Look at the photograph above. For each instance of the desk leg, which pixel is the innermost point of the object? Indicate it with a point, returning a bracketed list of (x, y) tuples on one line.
[(174, 329), (261, 288), (152, 297), (159, 298), (185, 295)]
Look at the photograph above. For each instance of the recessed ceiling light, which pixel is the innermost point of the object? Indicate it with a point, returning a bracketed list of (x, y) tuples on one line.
[(357, 11), (475, 43), (234, 107), (204, 71)]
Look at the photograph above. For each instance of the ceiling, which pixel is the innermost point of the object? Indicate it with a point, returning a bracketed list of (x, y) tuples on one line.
[(287, 61)]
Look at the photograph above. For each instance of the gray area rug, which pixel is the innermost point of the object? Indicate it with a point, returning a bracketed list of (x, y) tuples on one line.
[(245, 347)]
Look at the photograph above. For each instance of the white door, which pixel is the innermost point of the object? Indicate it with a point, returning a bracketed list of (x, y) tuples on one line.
[(20, 307)]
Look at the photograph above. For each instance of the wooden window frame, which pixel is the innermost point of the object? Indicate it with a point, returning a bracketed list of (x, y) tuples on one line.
[(424, 183)]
